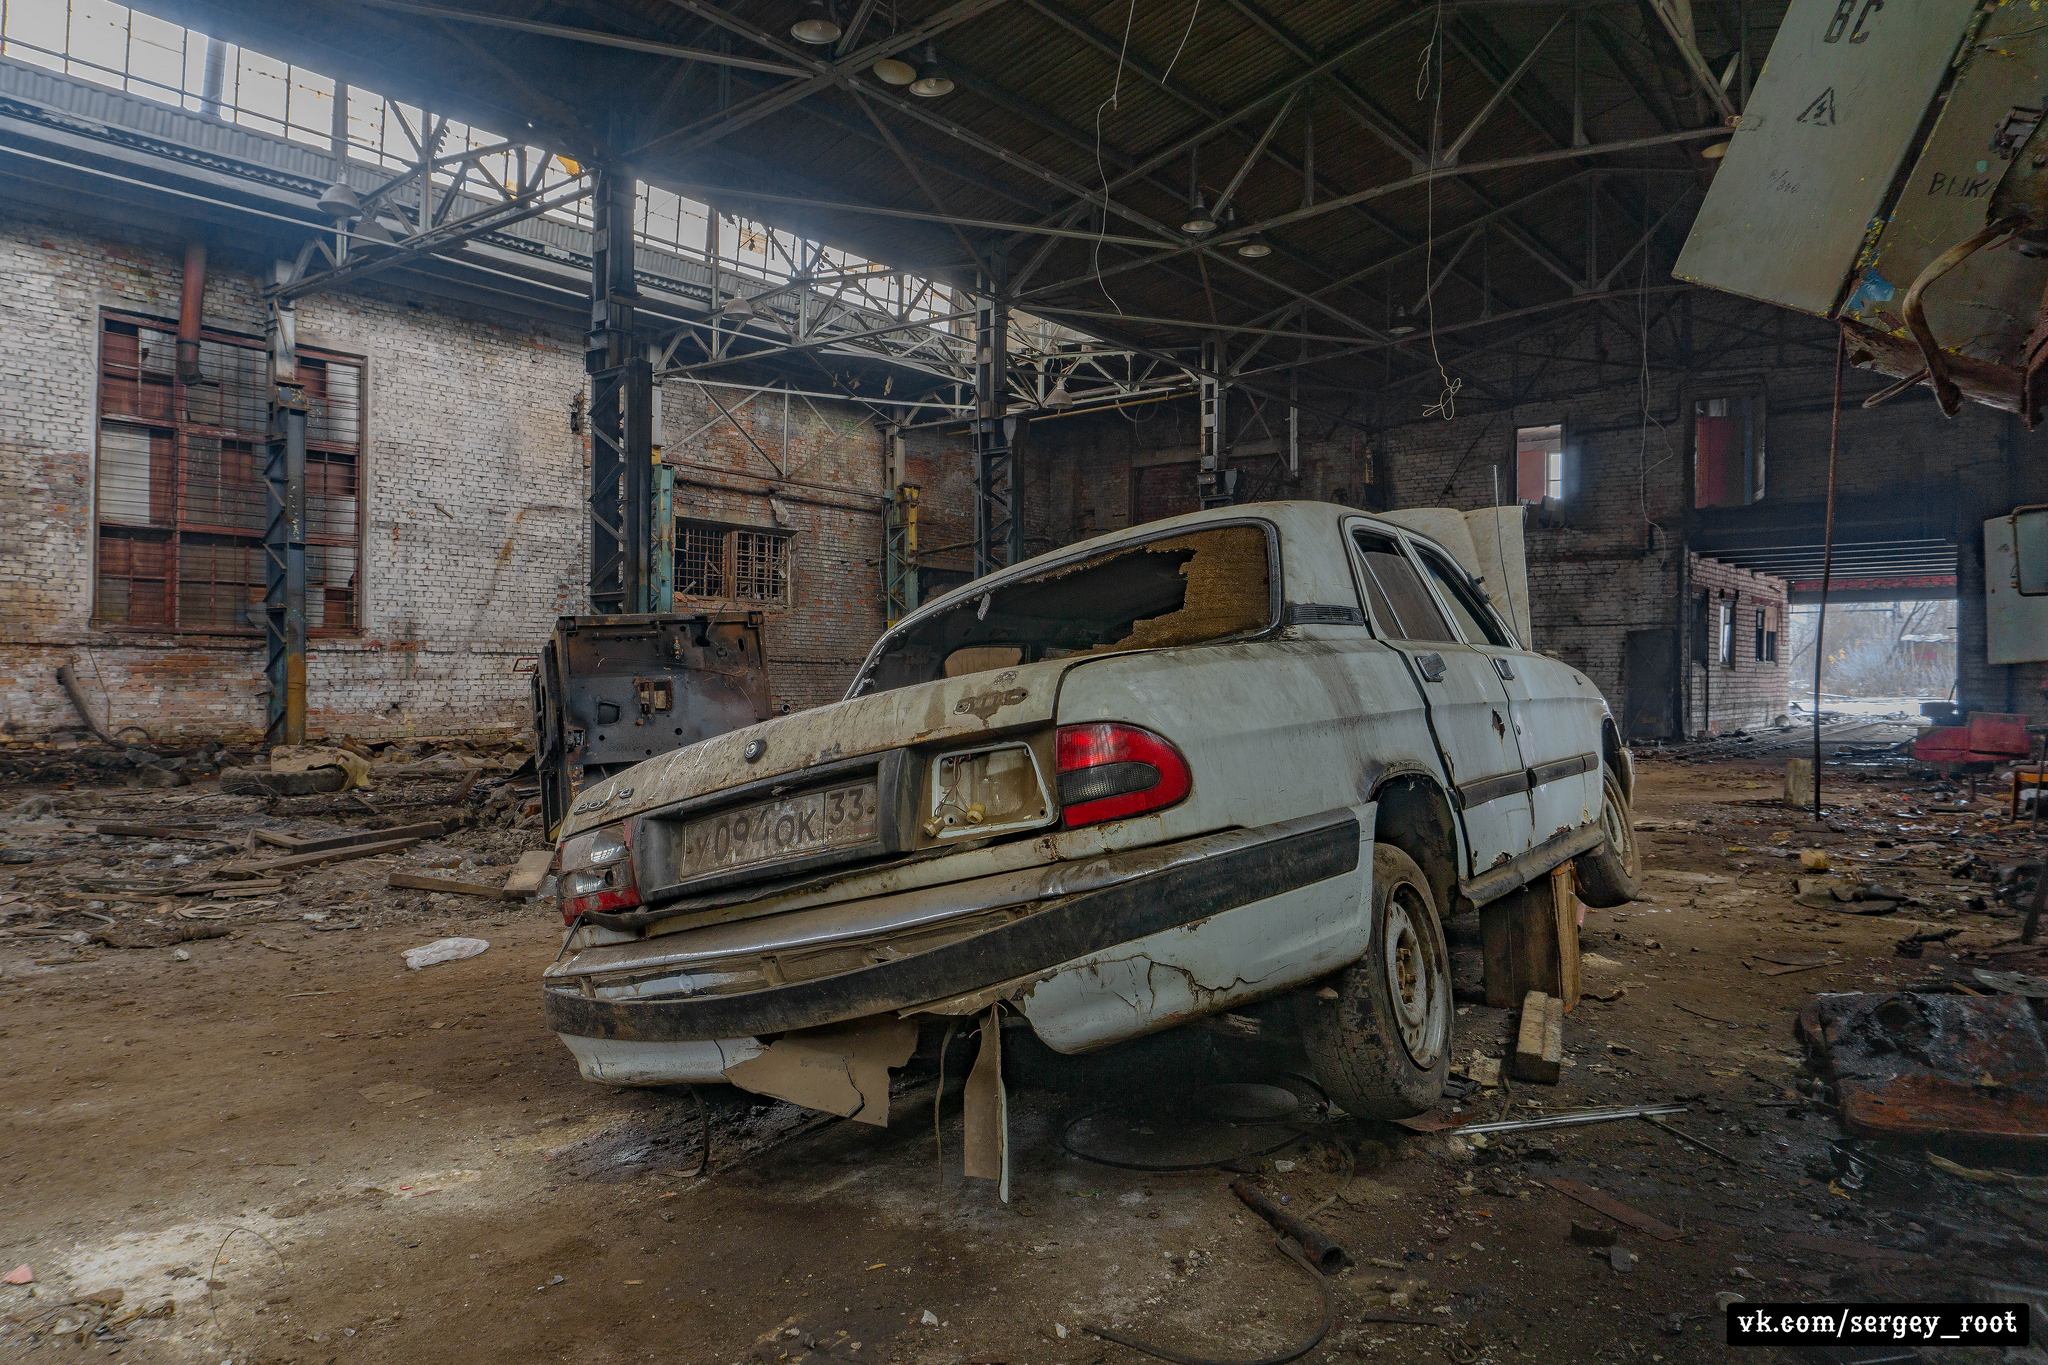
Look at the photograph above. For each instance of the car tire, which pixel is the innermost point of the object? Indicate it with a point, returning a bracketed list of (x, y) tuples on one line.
[(1382, 1048), (1612, 874)]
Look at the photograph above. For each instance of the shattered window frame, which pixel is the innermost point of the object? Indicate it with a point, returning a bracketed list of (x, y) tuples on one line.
[(968, 594), (747, 558), (178, 539)]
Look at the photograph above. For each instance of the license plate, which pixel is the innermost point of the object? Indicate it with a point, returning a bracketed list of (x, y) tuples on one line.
[(816, 822)]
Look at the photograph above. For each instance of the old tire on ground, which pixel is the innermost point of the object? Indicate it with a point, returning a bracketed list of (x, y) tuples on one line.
[(1611, 874), (1382, 1048)]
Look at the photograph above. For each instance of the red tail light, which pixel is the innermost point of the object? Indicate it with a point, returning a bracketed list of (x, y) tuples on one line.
[(596, 872), (1109, 771)]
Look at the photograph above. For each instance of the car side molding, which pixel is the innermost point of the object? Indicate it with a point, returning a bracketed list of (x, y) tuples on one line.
[(1519, 871)]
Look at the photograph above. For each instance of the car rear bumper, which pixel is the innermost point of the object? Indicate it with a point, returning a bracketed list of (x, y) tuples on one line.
[(1038, 920)]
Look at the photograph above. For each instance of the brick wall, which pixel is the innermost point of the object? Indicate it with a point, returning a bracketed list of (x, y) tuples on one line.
[(474, 537), (1745, 691)]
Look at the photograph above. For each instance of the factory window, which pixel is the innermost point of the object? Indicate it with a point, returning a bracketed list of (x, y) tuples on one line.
[(1728, 451), (1766, 637), (181, 499), (1726, 652), (1539, 463), (732, 563)]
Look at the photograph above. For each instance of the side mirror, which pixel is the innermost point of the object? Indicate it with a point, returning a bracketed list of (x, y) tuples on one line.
[(2030, 551)]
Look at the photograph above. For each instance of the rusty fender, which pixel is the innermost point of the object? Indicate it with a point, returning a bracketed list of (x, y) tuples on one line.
[(1245, 866)]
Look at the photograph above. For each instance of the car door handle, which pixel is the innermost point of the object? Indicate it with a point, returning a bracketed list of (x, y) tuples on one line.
[(1501, 667), (1432, 666)]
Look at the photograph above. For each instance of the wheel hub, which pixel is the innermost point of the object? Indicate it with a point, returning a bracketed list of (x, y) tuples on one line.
[(1416, 984)]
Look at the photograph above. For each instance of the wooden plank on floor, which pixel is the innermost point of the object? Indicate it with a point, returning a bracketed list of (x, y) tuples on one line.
[(320, 843), (126, 831), (254, 886), (1614, 1208), (332, 855), (447, 885), (1539, 1044), (531, 871)]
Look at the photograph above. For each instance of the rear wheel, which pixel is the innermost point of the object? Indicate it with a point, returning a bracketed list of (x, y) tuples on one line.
[(1611, 874), (1383, 1046)]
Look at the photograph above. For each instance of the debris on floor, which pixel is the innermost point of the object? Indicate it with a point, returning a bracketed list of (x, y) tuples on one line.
[(1926, 1067)]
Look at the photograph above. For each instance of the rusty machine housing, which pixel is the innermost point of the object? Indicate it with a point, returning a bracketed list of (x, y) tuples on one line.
[(612, 691)]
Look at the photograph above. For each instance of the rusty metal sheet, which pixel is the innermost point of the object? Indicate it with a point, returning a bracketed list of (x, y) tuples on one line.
[(1829, 125), (1929, 1068), (613, 691), (1985, 306)]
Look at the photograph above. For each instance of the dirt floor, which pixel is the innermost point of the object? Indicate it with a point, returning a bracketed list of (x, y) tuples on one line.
[(282, 1145)]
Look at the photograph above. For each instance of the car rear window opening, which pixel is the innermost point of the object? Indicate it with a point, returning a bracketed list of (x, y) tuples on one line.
[(1181, 590)]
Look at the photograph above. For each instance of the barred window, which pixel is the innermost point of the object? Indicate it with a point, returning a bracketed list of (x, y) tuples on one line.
[(181, 499), (732, 563)]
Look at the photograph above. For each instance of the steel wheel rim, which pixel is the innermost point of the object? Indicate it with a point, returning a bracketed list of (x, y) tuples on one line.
[(1415, 981), (1614, 827)]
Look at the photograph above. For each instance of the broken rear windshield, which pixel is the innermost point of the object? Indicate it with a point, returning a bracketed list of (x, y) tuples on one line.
[(1179, 590)]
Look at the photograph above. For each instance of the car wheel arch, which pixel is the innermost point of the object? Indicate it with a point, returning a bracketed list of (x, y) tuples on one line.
[(1414, 815), (1617, 757)]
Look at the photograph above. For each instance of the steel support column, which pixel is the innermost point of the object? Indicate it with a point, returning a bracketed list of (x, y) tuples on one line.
[(998, 519), (1216, 485), (284, 535), (624, 535)]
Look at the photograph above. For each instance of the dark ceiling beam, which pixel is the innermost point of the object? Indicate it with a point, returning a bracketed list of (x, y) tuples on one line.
[(1407, 183), (824, 75), (1218, 120), (585, 35)]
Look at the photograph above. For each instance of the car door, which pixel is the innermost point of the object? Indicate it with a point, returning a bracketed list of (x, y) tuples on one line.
[(1467, 706), (1554, 709)]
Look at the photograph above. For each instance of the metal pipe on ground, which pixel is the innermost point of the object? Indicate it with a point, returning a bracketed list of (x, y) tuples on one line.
[(1327, 1254)]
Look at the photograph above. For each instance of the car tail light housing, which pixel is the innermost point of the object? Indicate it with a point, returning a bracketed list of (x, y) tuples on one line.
[(597, 872), (1109, 771)]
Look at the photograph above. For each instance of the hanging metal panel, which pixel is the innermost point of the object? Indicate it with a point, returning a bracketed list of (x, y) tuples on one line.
[(1812, 162)]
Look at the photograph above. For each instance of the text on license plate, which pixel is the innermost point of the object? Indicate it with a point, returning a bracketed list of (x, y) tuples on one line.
[(816, 822)]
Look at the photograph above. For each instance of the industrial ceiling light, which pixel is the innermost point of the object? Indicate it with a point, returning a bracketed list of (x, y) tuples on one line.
[(1059, 397), (1402, 326), (339, 202), (819, 25), (1714, 151), (894, 71), (1253, 247), (932, 80), (1198, 222), (738, 308)]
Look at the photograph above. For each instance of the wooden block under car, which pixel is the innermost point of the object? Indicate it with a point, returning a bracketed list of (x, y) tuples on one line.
[(1529, 940), (1539, 1046)]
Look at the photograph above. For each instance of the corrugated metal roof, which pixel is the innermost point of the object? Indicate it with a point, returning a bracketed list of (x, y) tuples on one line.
[(1055, 97)]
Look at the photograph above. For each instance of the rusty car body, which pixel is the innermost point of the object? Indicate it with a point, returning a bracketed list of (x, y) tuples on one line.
[(1254, 754)]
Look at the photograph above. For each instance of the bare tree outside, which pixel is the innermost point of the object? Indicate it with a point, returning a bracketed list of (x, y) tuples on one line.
[(1877, 649)]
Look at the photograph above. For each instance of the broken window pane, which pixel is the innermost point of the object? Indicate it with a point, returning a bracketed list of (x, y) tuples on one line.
[(1471, 614), (1539, 463), (1181, 590), (1401, 607)]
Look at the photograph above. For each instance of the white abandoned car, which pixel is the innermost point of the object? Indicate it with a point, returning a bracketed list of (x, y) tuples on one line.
[(1254, 754)]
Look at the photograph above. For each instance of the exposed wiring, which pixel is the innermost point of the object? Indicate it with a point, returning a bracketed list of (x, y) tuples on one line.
[(1292, 1252), (1116, 87), (1446, 405), (1193, 14), (1643, 441)]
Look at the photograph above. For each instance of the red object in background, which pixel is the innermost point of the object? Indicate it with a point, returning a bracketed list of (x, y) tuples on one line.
[(1990, 737), (1717, 462)]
